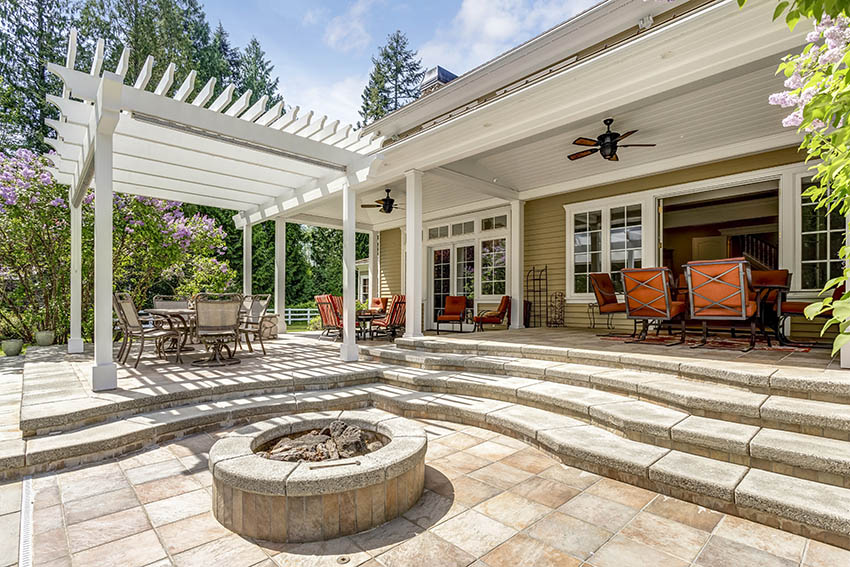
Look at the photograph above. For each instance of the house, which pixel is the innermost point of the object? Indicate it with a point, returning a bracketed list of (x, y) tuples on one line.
[(479, 163)]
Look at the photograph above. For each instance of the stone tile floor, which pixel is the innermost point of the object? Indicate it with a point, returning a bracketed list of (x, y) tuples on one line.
[(490, 501)]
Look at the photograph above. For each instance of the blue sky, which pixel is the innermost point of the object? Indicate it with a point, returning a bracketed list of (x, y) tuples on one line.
[(322, 49)]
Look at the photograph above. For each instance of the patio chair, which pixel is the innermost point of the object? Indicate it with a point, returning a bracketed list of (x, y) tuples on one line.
[(378, 304), (721, 290), (132, 327), (786, 309), (649, 296), (453, 312), (769, 286), (496, 317), (331, 322), (254, 320), (607, 302), (170, 302), (217, 324), (394, 319)]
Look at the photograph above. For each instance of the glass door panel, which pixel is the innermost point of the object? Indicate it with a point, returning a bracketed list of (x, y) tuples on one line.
[(441, 278)]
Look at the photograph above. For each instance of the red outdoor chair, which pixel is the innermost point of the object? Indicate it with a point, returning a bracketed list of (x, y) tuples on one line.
[(496, 317), (606, 299), (787, 309), (649, 296), (721, 290), (331, 318), (453, 312), (394, 320)]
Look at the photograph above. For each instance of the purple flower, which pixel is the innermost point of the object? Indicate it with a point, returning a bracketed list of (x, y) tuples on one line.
[(794, 119), (45, 178), (58, 202)]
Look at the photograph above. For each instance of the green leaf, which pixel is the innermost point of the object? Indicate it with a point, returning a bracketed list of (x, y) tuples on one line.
[(778, 11), (813, 309), (839, 342)]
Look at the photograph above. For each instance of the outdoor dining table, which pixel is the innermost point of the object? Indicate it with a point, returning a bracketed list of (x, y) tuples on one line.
[(365, 319), (179, 318)]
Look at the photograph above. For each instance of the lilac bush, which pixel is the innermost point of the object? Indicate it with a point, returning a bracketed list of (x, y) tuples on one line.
[(154, 244)]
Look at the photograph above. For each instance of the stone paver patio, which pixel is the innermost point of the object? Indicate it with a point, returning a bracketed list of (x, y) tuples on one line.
[(490, 500)]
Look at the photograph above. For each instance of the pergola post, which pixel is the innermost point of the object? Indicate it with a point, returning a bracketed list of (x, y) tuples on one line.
[(373, 265), (247, 248), (104, 371), (75, 338), (348, 351), (413, 268), (517, 266), (280, 273)]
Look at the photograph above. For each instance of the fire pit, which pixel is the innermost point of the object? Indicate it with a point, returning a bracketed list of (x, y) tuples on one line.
[(317, 476)]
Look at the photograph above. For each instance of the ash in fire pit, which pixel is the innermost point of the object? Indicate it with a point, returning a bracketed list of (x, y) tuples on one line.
[(338, 440)]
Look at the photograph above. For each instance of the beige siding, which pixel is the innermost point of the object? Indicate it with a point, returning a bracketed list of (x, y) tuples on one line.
[(545, 221), (390, 268)]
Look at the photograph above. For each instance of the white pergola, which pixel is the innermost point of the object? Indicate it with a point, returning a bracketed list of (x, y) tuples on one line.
[(225, 153)]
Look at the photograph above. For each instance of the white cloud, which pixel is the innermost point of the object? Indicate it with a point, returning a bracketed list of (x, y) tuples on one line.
[(483, 29), (347, 31), (314, 16), (339, 100)]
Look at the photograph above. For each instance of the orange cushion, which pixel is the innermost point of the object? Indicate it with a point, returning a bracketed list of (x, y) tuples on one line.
[(613, 308), (449, 317), (486, 319), (720, 312)]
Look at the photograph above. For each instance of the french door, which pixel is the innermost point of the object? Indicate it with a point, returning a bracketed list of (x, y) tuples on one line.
[(452, 272)]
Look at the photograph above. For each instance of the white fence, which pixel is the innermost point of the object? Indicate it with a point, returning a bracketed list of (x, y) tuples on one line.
[(291, 315)]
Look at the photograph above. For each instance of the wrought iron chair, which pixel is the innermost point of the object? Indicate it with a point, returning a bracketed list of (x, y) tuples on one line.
[(254, 321), (649, 296), (721, 290), (394, 320), (132, 327), (217, 324), (454, 311), (496, 317)]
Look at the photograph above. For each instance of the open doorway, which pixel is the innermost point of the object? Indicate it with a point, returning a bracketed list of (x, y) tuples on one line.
[(722, 223)]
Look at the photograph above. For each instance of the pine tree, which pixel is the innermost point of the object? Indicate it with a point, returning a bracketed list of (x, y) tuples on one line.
[(255, 73), (394, 80), (222, 61)]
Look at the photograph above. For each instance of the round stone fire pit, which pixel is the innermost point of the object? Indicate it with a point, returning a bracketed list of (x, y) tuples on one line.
[(309, 501)]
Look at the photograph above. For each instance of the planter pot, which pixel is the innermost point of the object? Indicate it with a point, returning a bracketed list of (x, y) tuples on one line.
[(12, 347), (44, 338)]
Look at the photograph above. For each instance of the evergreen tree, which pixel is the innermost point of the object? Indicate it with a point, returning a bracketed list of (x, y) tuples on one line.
[(394, 80), (222, 60), (255, 73)]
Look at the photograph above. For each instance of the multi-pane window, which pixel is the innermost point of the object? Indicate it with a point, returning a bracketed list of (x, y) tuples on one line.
[(493, 263), (460, 228), (491, 223), (438, 232), (822, 235), (442, 279), (465, 271), (587, 248), (625, 241)]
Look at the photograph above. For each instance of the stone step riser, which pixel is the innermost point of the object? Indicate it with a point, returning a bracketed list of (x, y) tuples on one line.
[(752, 408), (766, 381)]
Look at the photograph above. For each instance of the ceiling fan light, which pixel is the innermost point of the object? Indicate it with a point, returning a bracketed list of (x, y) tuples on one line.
[(608, 150)]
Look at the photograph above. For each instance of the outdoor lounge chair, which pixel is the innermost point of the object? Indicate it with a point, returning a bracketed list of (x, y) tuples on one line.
[(496, 317), (394, 319), (721, 290), (649, 296), (331, 321), (254, 320), (217, 325), (453, 312), (132, 327)]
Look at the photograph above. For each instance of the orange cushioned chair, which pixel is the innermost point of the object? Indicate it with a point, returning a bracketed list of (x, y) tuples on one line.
[(606, 299), (378, 304), (797, 309), (394, 319), (721, 290), (649, 296), (453, 312), (496, 317)]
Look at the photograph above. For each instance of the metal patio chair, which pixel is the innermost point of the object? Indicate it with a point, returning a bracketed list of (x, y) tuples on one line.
[(454, 311), (649, 297), (394, 319), (217, 325), (132, 327), (254, 320)]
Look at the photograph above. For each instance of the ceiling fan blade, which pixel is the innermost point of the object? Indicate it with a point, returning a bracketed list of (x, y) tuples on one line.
[(581, 154), (370, 206), (626, 135), (636, 145), (585, 142), (614, 158)]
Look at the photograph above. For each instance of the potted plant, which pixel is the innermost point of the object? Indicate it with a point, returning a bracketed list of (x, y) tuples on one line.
[(45, 338), (12, 346)]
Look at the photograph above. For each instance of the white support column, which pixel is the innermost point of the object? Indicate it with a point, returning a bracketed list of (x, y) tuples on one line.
[(517, 267), (348, 350), (75, 338), (280, 273), (247, 248), (373, 265), (413, 266), (104, 371)]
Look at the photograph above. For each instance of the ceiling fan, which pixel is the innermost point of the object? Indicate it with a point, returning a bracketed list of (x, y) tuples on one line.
[(606, 144), (385, 205)]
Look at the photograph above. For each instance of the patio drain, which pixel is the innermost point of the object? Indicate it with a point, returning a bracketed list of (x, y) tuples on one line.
[(342, 560)]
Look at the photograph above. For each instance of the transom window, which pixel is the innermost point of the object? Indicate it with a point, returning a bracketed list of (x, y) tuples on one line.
[(493, 263), (491, 223), (460, 228), (822, 235), (438, 232)]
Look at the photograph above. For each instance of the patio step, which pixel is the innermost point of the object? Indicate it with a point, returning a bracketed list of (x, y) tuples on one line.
[(824, 385), (803, 506)]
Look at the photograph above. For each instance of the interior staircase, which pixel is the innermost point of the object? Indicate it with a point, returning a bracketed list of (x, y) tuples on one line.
[(759, 442)]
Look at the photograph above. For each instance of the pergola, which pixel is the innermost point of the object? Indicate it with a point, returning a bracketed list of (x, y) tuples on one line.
[(190, 147)]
